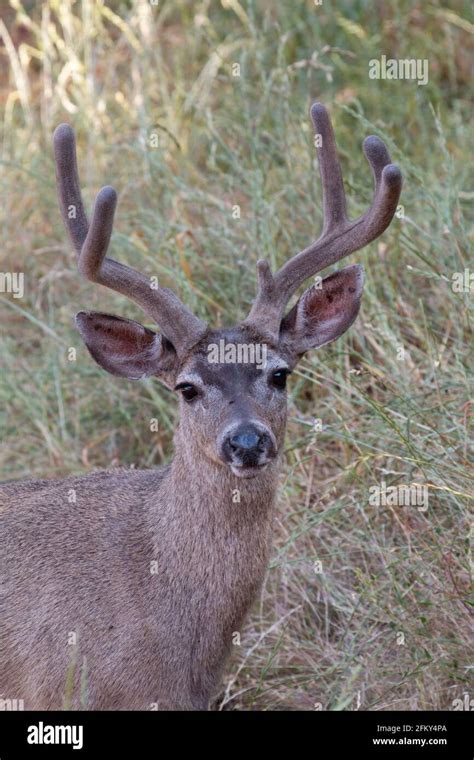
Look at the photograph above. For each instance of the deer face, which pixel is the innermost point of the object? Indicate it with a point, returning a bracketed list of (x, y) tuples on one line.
[(232, 383), (233, 404), (233, 400)]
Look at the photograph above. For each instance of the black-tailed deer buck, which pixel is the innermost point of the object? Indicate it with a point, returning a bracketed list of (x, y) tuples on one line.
[(128, 597)]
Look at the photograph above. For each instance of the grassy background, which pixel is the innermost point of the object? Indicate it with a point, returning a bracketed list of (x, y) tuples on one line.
[(121, 72)]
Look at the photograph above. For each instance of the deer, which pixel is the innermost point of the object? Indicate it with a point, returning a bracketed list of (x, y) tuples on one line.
[(129, 597)]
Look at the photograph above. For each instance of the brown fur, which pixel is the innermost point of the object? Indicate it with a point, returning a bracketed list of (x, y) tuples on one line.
[(152, 571), (129, 595), (143, 638)]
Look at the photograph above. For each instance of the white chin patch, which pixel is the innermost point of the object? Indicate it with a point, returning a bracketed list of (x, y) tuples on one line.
[(247, 472)]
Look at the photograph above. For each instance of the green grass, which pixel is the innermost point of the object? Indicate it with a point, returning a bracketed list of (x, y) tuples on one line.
[(385, 624)]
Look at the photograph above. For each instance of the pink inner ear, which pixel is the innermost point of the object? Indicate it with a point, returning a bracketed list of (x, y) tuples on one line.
[(122, 346), (335, 294), (325, 303), (114, 335), (325, 311)]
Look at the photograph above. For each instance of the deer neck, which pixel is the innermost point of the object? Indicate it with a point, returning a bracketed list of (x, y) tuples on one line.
[(215, 515), (211, 534), (209, 490)]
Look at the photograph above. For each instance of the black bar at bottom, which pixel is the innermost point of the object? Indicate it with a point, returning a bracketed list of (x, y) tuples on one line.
[(374, 734)]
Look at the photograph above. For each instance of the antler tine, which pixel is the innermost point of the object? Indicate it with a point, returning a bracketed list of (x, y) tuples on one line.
[(67, 180), (178, 324), (334, 197), (339, 236)]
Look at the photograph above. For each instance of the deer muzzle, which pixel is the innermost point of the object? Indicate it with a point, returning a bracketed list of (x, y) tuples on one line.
[(247, 448)]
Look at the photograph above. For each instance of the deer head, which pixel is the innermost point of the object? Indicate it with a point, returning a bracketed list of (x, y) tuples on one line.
[(232, 410)]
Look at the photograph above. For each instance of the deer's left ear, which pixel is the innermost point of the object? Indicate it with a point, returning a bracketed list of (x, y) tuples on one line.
[(324, 312)]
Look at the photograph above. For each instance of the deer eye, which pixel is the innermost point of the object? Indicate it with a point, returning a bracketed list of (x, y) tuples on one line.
[(188, 391), (278, 378)]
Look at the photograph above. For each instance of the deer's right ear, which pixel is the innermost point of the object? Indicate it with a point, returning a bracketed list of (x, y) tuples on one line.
[(126, 348)]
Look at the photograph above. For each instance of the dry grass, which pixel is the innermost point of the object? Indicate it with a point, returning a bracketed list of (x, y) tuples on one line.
[(382, 622)]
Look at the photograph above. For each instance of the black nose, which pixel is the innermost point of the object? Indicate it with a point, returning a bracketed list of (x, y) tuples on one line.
[(245, 440), (247, 445)]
